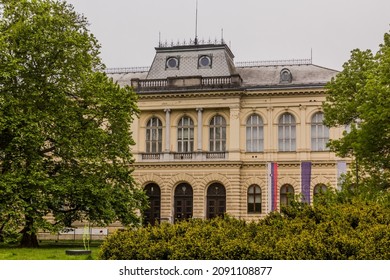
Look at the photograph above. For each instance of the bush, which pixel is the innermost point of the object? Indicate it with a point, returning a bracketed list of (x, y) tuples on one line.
[(329, 230)]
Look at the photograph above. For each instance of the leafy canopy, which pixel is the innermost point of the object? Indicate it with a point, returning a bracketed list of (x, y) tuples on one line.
[(359, 98), (64, 125)]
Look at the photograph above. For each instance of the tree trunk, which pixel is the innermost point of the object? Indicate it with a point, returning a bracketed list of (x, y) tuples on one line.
[(29, 238)]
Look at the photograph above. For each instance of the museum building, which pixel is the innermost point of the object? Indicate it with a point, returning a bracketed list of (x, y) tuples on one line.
[(214, 136)]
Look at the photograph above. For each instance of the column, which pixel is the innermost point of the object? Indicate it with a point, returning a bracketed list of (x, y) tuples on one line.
[(270, 136), (304, 141), (167, 130), (234, 135), (200, 128)]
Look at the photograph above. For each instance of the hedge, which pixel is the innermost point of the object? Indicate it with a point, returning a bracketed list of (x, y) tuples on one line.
[(353, 230)]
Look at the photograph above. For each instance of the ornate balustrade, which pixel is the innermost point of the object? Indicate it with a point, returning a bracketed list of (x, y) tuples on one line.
[(194, 156)]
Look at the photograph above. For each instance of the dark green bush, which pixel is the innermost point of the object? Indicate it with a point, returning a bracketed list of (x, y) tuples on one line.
[(329, 230)]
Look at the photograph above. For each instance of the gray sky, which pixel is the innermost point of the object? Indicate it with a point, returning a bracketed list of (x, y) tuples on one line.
[(128, 30)]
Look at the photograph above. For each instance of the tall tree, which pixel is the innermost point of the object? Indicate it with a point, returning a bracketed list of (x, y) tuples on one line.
[(64, 125), (359, 97)]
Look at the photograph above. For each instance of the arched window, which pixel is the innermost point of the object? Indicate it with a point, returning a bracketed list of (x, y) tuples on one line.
[(254, 199), (319, 132), (319, 189), (254, 134), (286, 194), (285, 76), (287, 133), (217, 134), (185, 135), (154, 136)]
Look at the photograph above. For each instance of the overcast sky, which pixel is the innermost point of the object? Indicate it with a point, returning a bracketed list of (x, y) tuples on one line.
[(128, 30)]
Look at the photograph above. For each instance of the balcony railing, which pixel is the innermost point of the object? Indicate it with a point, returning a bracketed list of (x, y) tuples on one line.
[(216, 155), (194, 82), (151, 156), (182, 156), (155, 83), (194, 156)]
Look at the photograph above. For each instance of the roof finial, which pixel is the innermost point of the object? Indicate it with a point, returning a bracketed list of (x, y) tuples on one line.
[(196, 24)]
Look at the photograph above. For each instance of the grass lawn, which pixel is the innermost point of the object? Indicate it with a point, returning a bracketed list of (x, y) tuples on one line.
[(47, 251)]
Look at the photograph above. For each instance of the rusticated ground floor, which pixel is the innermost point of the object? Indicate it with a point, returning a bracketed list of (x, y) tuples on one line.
[(243, 190), (248, 191)]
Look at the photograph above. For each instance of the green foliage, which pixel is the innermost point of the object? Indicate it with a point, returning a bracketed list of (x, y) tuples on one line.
[(64, 125), (359, 97), (351, 229)]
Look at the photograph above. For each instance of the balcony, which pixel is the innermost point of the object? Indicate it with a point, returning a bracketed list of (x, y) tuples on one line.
[(152, 156), (193, 82), (175, 157)]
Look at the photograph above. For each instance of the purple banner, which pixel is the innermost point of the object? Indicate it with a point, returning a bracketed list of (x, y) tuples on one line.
[(272, 186), (305, 180)]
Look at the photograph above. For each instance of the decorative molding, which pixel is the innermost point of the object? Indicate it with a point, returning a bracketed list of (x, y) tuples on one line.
[(186, 165), (214, 178), (302, 107), (230, 93), (150, 178)]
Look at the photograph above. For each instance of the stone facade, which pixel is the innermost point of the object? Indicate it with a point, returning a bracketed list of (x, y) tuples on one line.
[(205, 141)]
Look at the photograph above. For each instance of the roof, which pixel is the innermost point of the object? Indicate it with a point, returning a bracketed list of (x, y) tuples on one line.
[(308, 74), (124, 78), (173, 65), (221, 61)]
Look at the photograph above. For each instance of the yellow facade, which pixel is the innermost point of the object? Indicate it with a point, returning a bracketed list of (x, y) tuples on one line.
[(233, 162)]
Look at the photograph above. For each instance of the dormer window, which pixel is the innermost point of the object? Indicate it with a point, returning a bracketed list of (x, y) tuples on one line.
[(172, 62), (204, 61), (285, 76)]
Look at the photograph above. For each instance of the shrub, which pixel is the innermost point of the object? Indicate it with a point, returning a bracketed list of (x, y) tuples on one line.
[(329, 230)]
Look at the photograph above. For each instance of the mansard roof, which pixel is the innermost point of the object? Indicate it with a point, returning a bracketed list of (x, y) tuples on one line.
[(220, 64), (197, 67), (270, 76)]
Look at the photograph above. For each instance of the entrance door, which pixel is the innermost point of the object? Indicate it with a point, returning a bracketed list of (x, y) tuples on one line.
[(183, 202), (216, 200), (152, 214)]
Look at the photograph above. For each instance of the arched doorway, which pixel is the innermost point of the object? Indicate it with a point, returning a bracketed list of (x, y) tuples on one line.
[(183, 202), (216, 200), (152, 214)]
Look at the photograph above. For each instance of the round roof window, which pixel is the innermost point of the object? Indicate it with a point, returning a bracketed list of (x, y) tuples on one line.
[(172, 62), (204, 61)]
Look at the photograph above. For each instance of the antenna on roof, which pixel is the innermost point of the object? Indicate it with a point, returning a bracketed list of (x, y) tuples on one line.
[(311, 55), (159, 38), (196, 24), (222, 42)]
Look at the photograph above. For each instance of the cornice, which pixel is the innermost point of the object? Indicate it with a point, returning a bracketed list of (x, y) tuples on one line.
[(225, 164), (286, 92), (188, 94), (186, 165), (232, 93)]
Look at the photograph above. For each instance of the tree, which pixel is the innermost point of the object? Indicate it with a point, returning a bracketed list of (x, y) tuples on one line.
[(359, 97), (64, 125)]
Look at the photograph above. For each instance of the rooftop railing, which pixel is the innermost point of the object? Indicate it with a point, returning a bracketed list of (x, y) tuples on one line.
[(241, 64), (274, 62), (127, 70)]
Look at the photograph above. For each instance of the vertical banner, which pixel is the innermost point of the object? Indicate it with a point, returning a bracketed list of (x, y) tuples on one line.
[(272, 186), (341, 171), (269, 180), (275, 185), (305, 180)]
